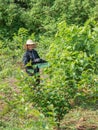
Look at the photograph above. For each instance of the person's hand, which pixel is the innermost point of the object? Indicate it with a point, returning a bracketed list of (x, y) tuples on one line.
[(37, 60)]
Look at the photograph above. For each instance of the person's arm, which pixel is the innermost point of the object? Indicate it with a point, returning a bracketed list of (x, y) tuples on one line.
[(38, 59), (36, 56), (26, 60)]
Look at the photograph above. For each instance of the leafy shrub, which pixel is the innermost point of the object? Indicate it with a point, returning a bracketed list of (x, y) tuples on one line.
[(72, 75)]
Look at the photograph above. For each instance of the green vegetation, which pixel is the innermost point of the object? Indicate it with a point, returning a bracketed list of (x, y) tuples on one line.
[(67, 35)]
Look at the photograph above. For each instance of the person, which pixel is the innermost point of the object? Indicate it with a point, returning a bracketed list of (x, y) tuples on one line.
[(31, 58)]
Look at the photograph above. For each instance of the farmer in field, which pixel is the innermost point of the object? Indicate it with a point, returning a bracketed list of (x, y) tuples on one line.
[(30, 59)]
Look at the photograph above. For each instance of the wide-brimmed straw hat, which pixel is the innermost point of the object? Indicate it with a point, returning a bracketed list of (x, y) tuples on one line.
[(30, 42)]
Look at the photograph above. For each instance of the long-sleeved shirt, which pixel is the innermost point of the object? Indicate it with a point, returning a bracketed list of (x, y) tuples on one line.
[(31, 55)]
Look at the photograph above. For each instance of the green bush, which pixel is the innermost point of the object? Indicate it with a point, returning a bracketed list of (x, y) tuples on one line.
[(73, 73)]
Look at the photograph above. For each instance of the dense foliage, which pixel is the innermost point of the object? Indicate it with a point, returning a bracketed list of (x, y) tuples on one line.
[(72, 72), (67, 35), (41, 17)]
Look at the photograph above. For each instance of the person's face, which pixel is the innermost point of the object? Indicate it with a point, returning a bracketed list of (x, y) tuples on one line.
[(30, 47)]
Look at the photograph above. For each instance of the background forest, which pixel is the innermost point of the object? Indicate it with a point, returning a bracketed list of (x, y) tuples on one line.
[(66, 32)]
